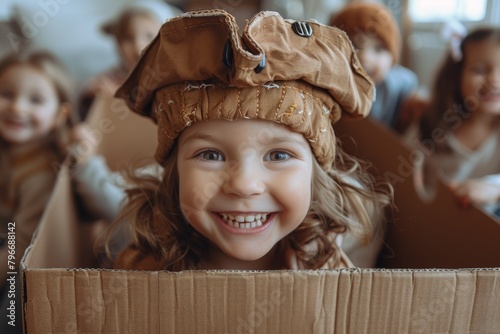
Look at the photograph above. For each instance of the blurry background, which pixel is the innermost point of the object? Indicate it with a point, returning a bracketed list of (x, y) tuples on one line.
[(71, 28)]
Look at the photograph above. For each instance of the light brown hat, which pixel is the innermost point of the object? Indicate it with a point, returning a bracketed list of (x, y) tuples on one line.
[(370, 18), (301, 74)]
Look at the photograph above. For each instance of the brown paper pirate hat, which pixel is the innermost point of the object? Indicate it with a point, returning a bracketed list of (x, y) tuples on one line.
[(198, 68)]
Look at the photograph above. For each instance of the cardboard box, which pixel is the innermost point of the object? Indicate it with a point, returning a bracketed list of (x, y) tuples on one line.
[(62, 295), (428, 230), (122, 137)]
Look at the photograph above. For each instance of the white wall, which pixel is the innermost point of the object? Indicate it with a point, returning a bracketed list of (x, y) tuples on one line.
[(69, 28), (427, 48)]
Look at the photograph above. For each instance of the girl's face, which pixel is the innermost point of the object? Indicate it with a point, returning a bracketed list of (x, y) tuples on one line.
[(375, 58), (29, 104), (244, 184), (480, 81), (138, 32)]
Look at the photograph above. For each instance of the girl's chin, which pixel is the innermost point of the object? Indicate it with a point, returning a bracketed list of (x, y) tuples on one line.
[(15, 140), (246, 259), (246, 256), (492, 109)]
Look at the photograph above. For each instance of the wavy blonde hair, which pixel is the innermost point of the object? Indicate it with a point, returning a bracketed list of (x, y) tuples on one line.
[(54, 69), (345, 198)]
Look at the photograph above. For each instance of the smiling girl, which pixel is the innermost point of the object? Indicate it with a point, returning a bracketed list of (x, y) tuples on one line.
[(34, 110), (253, 178), (461, 126)]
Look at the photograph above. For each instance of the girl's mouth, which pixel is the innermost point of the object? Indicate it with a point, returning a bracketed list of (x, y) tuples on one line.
[(15, 123), (490, 93), (246, 221)]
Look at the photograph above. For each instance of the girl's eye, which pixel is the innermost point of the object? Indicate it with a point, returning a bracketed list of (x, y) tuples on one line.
[(6, 94), (277, 156), (479, 70), (380, 49), (36, 99), (211, 156)]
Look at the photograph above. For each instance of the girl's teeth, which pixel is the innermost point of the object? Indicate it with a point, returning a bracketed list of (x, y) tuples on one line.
[(244, 222)]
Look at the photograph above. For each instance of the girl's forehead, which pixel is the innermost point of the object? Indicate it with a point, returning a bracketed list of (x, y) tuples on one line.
[(240, 124), (255, 129), (476, 48), (28, 78), (482, 52), (18, 70), (366, 39)]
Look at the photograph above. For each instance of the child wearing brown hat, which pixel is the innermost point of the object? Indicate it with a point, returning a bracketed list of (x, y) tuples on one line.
[(253, 178), (375, 34)]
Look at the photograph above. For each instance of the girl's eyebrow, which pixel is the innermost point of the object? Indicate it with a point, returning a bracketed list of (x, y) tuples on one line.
[(276, 140), (263, 140), (200, 136)]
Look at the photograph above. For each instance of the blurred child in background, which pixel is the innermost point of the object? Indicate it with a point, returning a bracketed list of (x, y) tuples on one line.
[(375, 34), (460, 128), (134, 27), (35, 112)]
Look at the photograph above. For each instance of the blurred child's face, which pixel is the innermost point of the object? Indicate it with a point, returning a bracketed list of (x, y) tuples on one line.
[(480, 82), (29, 104), (375, 58), (138, 32), (244, 184)]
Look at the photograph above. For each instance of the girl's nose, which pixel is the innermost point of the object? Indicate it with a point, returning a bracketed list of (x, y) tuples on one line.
[(245, 181), (17, 105), (365, 58), (494, 78), (139, 44)]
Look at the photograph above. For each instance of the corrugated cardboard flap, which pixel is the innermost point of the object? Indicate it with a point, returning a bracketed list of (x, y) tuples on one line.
[(58, 298), (123, 137), (427, 231), (325, 301)]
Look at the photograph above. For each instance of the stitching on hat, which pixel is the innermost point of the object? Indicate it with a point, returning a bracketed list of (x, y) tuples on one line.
[(158, 109), (229, 27), (326, 111), (221, 104), (304, 103), (238, 104), (282, 98), (201, 86), (184, 114), (290, 112), (315, 98), (249, 32), (258, 102), (227, 112), (271, 85)]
